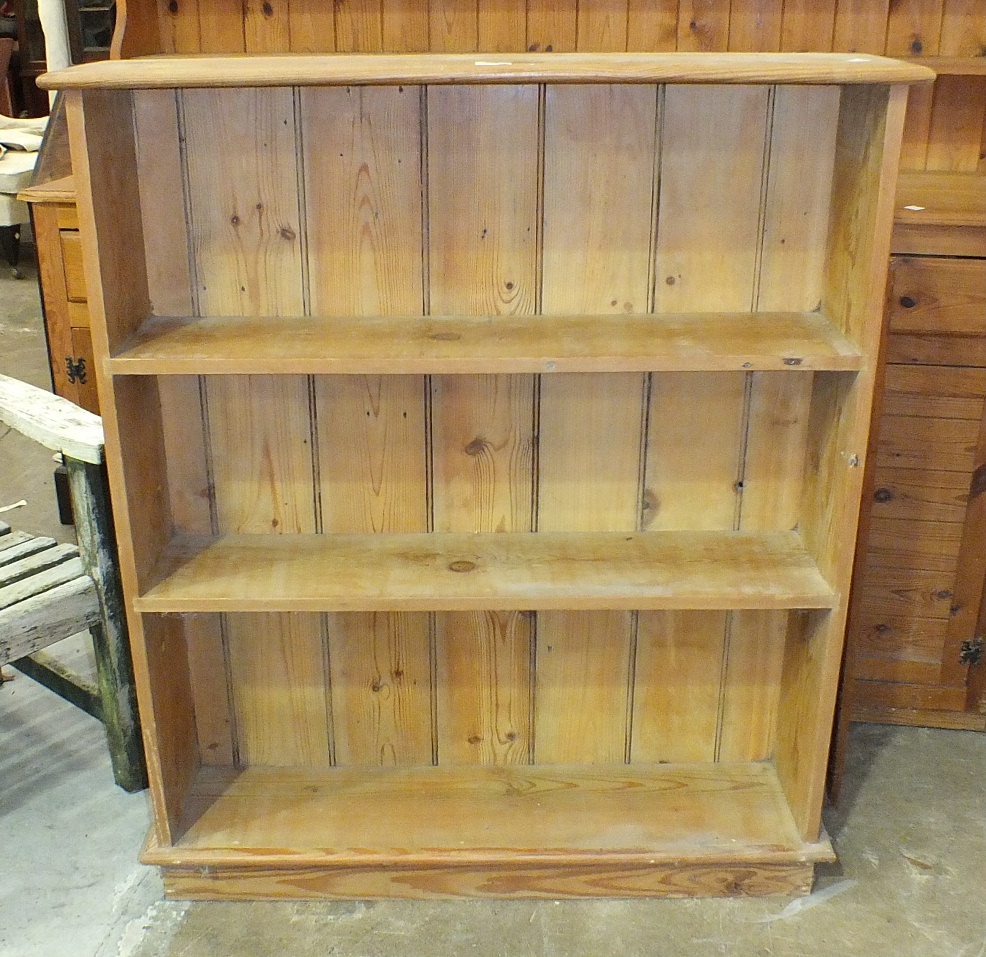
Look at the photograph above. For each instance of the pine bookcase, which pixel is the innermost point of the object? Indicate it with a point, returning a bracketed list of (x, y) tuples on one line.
[(486, 436)]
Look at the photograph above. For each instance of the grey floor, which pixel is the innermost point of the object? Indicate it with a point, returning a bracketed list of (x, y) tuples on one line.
[(910, 834)]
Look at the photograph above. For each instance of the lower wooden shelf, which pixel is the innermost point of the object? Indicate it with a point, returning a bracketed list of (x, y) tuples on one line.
[(506, 571), (519, 831)]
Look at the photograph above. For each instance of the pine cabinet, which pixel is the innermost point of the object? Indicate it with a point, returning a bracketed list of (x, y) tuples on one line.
[(486, 436), (915, 641)]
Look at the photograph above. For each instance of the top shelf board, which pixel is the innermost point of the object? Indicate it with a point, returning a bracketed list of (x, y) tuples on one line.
[(182, 72)]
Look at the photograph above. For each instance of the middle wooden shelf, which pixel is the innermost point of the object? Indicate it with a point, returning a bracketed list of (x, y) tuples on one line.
[(682, 342), (506, 571)]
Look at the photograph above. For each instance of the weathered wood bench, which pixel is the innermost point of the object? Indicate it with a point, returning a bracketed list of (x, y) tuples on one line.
[(50, 591)]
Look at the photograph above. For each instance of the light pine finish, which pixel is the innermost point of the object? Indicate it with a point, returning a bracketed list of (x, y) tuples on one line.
[(593, 570), (375, 344), (457, 449), (450, 68)]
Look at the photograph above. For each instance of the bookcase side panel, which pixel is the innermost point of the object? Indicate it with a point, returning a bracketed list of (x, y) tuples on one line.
[(866, 159)]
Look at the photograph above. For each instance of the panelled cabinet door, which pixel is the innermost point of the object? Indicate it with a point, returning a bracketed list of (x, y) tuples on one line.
[(916, 635)]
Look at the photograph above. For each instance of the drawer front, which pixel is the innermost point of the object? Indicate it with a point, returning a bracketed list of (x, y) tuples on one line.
[(932, 294), (75, 278)]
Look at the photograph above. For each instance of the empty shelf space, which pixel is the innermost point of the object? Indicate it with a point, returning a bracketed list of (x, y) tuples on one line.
[(486, 344), (468, 815), (508, 571)]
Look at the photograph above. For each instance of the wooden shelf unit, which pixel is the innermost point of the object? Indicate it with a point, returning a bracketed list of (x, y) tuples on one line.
[(487, 512)]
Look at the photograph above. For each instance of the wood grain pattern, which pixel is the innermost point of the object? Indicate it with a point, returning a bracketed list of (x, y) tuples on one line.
[(681, 880), (482, 238), (710, 198), (602, 26), (484, 680), (677, 686), (751, 685), (454, 68), (694, 451), (596, 259), (552, 25), (380, 668), (476, 815), (358, 26), (377, 345), (265, 26), (581, 570), (244, 227), (312, 26), (277, 664)]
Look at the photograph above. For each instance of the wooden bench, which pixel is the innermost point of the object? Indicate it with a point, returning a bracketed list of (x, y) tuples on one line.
[(50, 591)]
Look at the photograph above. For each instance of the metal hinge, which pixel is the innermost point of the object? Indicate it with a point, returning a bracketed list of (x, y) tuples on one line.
[(972, 651), (76, 370)]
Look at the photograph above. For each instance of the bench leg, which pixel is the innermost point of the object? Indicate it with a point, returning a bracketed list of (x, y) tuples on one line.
[(97, 548)]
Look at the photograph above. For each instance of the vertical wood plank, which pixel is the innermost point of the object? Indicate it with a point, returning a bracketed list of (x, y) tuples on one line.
[(652, 27), (596, 259), (484, 678), (363, 200), (371, 454), (914, 27), (581, 679), (597, 252), (453, 26), (502, 25), (279, 689), (694, 479), (261, 454), (380, 669), (602, 26), (311, 26), (676, 690), (694, 450), (359, 26), (703, 25), (552, 25), (266, 26), (405, 26), (221, 28), (755, 26), (963, 29), (483, 452), (709, 217), (179, 26), (245, 225), (483, 171), (799, 191), (364, 251), (751, 687), (861, 26), (808, 25), (777, 436)]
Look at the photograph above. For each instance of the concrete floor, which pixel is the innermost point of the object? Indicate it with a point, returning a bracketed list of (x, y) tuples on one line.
[(910, 837)]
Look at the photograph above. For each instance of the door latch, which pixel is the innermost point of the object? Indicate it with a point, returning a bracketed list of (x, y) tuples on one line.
[(76, 370)]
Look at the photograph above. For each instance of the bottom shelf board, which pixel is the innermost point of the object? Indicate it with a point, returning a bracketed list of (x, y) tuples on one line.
[(538, 831)]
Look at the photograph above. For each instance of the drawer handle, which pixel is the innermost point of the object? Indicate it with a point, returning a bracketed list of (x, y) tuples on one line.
[(907, 302)]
